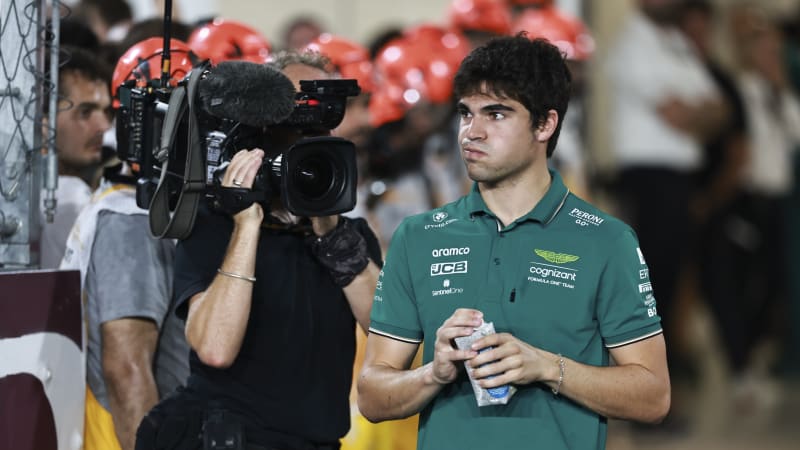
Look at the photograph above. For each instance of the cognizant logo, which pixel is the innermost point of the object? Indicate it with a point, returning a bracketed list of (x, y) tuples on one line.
[(547, 272)]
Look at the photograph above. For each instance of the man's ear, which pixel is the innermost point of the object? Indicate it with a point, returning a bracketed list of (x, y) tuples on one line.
[(546, 129)]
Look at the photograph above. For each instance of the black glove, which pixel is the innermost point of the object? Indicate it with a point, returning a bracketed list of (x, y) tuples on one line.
[(343, 251)]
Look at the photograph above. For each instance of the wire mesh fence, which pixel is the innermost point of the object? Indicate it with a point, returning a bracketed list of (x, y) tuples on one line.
[(26, 36)]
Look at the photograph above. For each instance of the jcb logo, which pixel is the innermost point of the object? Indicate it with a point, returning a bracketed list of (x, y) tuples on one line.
[(448, 268)]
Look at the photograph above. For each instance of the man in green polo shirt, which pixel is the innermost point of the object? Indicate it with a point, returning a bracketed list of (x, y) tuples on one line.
[(564, 284)]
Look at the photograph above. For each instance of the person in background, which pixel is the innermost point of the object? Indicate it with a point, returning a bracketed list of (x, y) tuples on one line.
[(760, 227), (565, 285), (271, 302), (665, 107), (300, 32), (136, 350), (716, 270), (411, 165), (84, 114), (109, 19)]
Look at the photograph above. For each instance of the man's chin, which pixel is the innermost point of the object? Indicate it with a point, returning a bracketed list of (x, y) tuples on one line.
[(94, 158)]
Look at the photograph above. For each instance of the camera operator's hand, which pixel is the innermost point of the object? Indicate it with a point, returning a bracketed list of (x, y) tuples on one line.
[(240, 174)]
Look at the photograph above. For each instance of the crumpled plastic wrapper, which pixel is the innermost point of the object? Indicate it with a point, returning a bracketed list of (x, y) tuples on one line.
[(499, 395)]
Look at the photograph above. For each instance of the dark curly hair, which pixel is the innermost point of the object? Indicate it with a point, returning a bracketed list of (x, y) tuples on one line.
[(76, 61), (532, 72)]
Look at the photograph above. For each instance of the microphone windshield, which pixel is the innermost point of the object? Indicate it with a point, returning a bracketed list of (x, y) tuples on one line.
[(253, 94)]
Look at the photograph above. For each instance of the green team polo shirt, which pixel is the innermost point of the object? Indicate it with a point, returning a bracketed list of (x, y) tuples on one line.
[(566, 277)]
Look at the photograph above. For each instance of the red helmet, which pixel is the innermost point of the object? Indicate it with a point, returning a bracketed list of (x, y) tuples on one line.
[(493, 16), (445, 51), (418, 65), (567, 33), (542, 3), (225, 40), (142, 62), (390, 102), (351, 59), (399, 82), (438, 42)]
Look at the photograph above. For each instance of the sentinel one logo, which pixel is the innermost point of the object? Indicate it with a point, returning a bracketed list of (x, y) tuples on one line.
[(447, 289), (584, 218), (448, 268), (460, 251)]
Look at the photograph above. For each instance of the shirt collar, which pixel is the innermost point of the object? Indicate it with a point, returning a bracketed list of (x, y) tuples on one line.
[(543, 212)]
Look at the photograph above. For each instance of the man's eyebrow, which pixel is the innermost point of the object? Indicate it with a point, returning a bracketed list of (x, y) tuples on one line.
[(494, 107), (88, 105)]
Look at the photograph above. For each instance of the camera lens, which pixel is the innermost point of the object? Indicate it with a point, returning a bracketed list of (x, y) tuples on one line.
[(314, 176), (318, 176)]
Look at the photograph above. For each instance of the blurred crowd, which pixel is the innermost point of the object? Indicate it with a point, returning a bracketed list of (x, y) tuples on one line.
[(704, 147)]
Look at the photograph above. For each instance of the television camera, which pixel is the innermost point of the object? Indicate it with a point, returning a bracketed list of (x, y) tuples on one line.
[(178, 141)]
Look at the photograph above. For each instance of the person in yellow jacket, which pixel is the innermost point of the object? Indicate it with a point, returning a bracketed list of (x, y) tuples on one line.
[(136, 351), (364, 435)]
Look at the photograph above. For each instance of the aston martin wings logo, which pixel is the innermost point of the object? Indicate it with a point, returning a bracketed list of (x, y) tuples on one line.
[(556, 258)]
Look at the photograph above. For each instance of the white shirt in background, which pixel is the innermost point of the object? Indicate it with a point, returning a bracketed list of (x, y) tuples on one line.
[(774, 133), (647, 66), (72, 195)]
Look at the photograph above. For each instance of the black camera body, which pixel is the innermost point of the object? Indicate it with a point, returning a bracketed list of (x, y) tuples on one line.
[(320, 104), (176, 146)]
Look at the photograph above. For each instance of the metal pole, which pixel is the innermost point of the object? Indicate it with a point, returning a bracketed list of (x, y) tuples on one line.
[(50, 179), (165, 52)]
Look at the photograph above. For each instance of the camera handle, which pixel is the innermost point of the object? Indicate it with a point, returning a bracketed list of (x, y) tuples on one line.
[(232, 200)]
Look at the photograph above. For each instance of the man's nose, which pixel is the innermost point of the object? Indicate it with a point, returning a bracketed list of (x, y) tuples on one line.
[(102, 121), (475, 130)]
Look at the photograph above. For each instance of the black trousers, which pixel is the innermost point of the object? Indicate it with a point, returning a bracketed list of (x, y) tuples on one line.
[(744, 271), (655, 202), (186, 421)]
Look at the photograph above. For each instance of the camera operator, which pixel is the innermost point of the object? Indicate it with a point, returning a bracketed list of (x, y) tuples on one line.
[(271, 302)]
